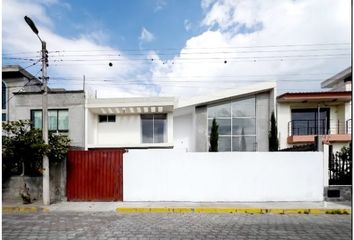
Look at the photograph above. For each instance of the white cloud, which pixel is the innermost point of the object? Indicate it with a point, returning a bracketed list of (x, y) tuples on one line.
[(159, 5), (18, 37), (199, 67), (235, 24), (187, 25), (146, 36)]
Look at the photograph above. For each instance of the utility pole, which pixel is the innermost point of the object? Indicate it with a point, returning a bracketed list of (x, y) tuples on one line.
[(45, 167), (46, 183)]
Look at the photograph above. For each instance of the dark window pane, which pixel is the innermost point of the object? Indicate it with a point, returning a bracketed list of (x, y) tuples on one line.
[(102, 118), (147, 130), (224, 144), (305, 121), (4, 117), (63, 120), (244, 143), (159, 130), (243, 126), (244, 108), (224, 126), (111, 118), (222, 110), (147, 116), (3, 99), (160, 116)]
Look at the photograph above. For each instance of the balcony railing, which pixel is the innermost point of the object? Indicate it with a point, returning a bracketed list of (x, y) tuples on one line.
[(310, 127)]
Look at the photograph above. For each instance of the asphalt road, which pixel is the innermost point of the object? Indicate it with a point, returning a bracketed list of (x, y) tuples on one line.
[(173, 226)]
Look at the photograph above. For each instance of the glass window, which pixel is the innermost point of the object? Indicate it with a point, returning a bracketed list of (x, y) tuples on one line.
[(224, 126), (243, 126), (63, 120), (305, 121), (106, 118), (244, 143), (36, 119), (52, 120), (237, 124), (111, 118), (222, 110), (4, 117), (147, 125), (154, 128), (244, 108), (58, 120), (3, 99), (224, 144)]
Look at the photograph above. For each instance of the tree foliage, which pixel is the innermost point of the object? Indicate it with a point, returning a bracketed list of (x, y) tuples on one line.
[(273, 135), (23, 148), (214, 137)]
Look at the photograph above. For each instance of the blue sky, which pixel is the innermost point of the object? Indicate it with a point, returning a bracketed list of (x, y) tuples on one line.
[(181, 48), (121, 22)]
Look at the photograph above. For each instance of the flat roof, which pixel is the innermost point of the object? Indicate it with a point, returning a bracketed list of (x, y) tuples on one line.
[(13, 71), (50, 92), (342, 96)]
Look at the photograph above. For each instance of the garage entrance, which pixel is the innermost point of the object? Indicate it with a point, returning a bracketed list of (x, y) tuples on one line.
[(95, 175)]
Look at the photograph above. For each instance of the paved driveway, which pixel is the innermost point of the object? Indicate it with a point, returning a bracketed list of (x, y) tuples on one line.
[(110, 225)]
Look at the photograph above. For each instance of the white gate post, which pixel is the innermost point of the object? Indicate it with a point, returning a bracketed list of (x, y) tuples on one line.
[(325, 165)]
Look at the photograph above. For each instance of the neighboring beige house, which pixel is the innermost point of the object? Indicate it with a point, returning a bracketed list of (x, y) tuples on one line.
[(298, 121), (22, 100)]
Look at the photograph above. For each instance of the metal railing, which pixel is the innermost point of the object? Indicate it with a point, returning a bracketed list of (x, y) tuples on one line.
[(310, 127)]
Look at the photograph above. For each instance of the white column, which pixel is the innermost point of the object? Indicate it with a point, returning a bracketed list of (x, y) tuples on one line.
[(325, 165)]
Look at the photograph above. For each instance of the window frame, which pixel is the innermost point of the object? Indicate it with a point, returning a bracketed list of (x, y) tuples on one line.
[(165, 134), (57, 124), (326, 110), (233, 118), (107, 120)]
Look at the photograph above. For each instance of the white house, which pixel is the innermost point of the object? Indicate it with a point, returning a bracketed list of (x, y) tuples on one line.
[(129, 122), (164, 122), (298, 120)]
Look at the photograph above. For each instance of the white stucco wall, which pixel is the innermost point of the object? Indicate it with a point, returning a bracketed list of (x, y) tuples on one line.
[(283, 118), (176, 175), (183, 128), (124, 132)]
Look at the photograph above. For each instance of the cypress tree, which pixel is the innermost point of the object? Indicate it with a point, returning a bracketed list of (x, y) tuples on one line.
[(214, 137), (273, 135)]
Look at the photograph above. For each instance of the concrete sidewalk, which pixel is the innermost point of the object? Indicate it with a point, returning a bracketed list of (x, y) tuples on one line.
[(184, 207)]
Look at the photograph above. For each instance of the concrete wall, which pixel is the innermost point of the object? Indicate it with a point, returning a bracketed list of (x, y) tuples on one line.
[(262, 121), (74, 102), (13, 85), (12, 187), (172, 175), (201, 129)]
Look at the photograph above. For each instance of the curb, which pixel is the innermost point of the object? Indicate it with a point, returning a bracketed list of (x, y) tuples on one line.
[(235, 210), (24, 209)]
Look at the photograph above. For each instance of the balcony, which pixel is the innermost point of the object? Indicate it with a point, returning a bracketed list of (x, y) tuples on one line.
[(304, 131)]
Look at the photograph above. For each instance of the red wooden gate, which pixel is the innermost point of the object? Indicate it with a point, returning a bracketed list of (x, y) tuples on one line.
[(95, 175)]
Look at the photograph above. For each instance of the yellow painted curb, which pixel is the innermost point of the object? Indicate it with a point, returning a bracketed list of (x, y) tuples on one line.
[(20, 209), (235, 210)]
